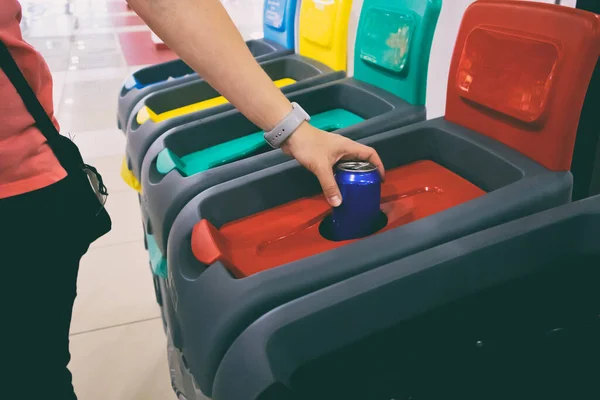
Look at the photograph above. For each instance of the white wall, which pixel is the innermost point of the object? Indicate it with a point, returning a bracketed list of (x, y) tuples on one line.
[(352, 28), (441, 53), (568, 3)]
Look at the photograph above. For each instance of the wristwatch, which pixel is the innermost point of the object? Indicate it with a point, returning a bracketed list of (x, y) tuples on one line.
[(287, 126)]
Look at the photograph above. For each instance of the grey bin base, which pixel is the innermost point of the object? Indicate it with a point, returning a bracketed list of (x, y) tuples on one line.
[(213, 307), (165, 196), (304, 71), (512, 312), (181, 380), (169, 317), (263, 50)]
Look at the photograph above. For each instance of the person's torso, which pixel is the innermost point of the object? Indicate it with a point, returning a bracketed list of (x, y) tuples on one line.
[(26, 161)]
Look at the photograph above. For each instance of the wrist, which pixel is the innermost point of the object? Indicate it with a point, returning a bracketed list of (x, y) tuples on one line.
[(294, 141), (277, 114), (287, 127)]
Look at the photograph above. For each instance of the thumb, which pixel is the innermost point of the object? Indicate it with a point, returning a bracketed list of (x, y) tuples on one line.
[(329, 185)]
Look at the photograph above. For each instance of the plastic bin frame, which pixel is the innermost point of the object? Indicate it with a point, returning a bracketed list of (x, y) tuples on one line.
[(279, 33), (140, 137), (263, 50), (213, 308), (229, 305), (384, 97), (164, 196), (347, 322)]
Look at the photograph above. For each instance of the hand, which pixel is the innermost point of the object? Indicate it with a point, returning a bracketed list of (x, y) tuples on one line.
[(318, 151)]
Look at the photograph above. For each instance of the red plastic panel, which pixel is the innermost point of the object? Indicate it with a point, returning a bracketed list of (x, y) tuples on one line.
[(291, 231), (491, 72), (519, 74)]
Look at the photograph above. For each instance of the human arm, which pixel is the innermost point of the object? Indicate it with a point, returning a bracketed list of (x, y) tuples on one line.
[(203, 35)]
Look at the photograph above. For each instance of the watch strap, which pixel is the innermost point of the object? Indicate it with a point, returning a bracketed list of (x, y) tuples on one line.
[(287, 126)]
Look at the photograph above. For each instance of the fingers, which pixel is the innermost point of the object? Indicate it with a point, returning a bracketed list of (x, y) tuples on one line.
[(357, 151), (330, 188)]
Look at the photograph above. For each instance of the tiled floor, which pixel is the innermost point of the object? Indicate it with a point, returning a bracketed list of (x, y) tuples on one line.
[(117, 340)]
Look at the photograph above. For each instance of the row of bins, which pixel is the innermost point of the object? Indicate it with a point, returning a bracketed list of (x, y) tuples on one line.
[(198, 155), (278, 40), (512, 312), (321, 58), (171, 95), (259, 305)]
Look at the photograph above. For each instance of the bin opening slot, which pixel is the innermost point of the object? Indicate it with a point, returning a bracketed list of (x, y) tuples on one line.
[(291, 231), (243, 147), (146, 113), (161, 73)]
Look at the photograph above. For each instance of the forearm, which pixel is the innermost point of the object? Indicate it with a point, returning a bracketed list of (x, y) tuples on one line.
[(203, 35)]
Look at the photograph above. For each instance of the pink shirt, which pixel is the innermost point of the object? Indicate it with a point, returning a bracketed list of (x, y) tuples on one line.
[(26, 161)]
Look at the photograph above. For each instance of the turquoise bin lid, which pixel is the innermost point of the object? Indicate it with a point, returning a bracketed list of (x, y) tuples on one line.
[(157, 261), (237, 149), (393, 44)]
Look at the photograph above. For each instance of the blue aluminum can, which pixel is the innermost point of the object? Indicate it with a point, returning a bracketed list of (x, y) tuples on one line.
[(359, 214)]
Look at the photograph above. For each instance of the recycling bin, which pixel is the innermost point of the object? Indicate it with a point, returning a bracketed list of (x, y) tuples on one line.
[(196, 156), (290, 73), (512, 312), (244, 247), (279, 31), (321, 47)]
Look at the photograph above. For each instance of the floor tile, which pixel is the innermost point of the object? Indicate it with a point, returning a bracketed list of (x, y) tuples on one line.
[(139, 49), (54, 46), (112, 59), (97, 74), (95, 42), (48, 26), (89, 106), (132, 28), (58, 63), (94, 144), (110, 168), (95, 21), (122, 363), (58, 83), (114, 287), (96, 7), (124, 210), (44, 8)]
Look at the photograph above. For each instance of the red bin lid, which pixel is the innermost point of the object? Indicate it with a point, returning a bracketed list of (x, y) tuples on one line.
[(519, 74)]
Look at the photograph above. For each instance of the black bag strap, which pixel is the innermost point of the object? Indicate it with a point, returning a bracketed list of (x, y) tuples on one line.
[(42, 120), (14, 74)]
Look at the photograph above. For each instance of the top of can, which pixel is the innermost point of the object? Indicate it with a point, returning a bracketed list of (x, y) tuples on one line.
[(356, 166)]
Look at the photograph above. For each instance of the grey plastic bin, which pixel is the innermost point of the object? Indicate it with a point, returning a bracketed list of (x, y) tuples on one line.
[(304, 71), (512, 312), (165, 195), (213, 307), (156, 77)]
